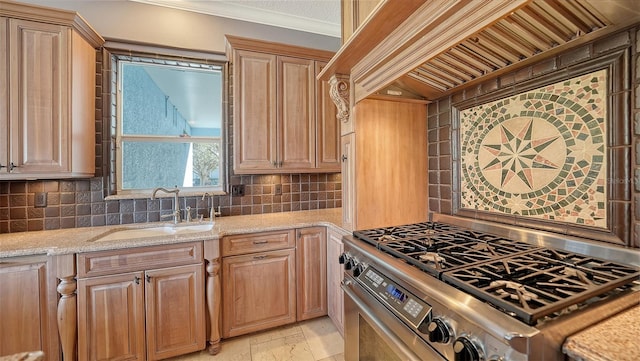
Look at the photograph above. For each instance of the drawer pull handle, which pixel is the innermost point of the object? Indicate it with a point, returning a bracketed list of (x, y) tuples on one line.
[(136, 279), (260, 242), (260, 257)]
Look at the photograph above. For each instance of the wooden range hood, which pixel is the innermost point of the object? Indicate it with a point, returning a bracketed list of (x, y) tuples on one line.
[(435, 47)]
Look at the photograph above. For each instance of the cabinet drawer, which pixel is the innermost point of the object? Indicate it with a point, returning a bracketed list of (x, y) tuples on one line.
[(257, 242), (138, 259)]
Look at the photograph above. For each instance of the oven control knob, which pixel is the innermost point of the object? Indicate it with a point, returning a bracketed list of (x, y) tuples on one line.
[(349, 264), (343, 258), (465, 349), (439, 331), (358, 270)]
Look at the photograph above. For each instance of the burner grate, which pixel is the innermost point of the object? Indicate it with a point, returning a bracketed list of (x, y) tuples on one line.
[(407, 231), (535, 284), (441, 252)]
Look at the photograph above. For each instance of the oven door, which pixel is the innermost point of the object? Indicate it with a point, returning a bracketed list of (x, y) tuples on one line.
[(372, 332)]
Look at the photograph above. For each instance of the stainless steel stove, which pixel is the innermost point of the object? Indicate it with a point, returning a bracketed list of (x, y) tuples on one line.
[(469, 291)]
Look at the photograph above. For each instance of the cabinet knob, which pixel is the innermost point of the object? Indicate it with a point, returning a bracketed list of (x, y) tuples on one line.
[(9, 167), (344, 158), (275, 164), (280, 164), (136, 279), (148, 279)]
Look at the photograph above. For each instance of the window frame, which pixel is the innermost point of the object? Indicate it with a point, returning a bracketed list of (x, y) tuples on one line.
[(119, 53)]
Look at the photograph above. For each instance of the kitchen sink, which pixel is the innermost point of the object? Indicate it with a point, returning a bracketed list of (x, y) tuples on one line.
[(126, 233)]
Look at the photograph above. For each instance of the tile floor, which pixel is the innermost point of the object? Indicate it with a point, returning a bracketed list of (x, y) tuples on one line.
[(312, 340)]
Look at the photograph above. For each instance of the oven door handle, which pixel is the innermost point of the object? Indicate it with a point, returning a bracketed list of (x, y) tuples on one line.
[(387, 334)]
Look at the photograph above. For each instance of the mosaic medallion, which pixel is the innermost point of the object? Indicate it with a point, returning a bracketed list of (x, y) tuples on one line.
[(539, 154)]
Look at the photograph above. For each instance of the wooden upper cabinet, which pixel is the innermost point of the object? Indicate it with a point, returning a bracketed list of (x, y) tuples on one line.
[(254, 111), (327, 127), (48, 110), (296, 93), (281, 119)]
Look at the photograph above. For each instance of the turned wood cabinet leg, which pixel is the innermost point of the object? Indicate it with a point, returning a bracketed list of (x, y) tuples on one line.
[(214, 300), (67, 306)]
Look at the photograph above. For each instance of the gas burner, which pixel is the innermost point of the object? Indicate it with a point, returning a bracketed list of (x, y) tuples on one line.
[(429, 232), (583, 277), (513, 290), (483, 247), (386, 237), (432, 257)]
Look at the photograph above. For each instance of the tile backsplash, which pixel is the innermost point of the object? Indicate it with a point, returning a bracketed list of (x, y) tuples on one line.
[(81, 203)]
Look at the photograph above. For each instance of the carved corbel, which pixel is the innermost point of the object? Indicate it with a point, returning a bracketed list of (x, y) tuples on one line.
[(339, 92)]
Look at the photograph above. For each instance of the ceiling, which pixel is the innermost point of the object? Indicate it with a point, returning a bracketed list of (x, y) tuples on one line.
[(314, 16)]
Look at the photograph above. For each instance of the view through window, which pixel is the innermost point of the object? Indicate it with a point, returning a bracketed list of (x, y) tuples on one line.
[(170, 123)]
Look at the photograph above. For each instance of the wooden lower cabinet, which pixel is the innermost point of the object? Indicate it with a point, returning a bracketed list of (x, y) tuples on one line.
[(273, 278), (111, 317), (27, 307), (335, 301), (146, 314), (311, 271), (175, 311), (258, 291)]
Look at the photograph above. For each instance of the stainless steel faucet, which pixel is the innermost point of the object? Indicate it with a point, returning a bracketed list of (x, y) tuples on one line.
[(176, 212), (212, 212)]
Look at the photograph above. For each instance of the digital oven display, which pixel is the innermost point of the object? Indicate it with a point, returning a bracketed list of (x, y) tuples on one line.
[(396, 293)]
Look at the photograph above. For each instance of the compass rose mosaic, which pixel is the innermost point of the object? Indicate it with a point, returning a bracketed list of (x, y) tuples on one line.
[(539, 154)]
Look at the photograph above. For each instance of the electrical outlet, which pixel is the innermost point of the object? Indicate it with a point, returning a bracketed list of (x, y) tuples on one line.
[(237, 190), (277, 190), (40, 200)]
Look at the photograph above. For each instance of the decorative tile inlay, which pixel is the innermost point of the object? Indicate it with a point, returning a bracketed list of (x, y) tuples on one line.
[(540, 154)]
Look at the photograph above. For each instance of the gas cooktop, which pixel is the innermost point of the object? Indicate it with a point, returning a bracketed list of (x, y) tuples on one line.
[(526, 281)]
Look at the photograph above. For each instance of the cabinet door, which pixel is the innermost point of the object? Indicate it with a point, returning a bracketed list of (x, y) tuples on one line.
[(335, 302), (394, 135), (254, 111), (39, 79), (311, 263), (348, 181), (296, 114), (23, 308), (258, 291), (328, 127), (111, 317), (4, 96), (175, 313)]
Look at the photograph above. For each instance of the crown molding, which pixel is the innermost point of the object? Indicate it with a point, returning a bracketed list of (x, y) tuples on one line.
[(242, 12)]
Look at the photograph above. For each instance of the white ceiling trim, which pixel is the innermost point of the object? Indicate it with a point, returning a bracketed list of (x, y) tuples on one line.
[(243, 12)]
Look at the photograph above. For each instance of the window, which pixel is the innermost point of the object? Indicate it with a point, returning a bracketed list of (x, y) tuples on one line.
[(169, 125)]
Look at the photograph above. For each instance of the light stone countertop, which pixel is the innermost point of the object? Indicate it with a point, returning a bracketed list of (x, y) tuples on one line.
[(616, 339), (77, 240)]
